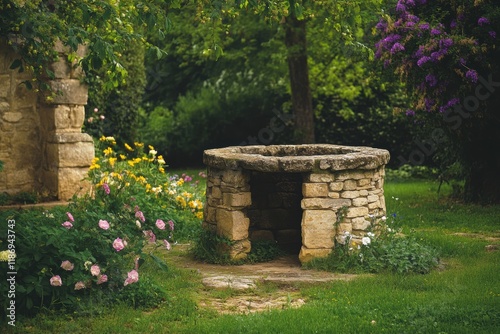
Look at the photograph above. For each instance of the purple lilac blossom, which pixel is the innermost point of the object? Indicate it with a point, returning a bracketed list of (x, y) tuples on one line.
[(410, 3), (397, 47), (410, 24), (431, 80), (423, 60), (400, 7), (493, 34), (410, 112), (420, 52), (453, 24), (462, 61), (472, 75), (435, 32), (446, 43), (461, 17), (381, 25), (483, 21), (424, 26), (412, 18)]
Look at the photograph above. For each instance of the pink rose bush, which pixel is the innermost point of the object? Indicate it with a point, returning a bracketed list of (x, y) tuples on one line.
[(56, 280), (104, 224), (132, 277)]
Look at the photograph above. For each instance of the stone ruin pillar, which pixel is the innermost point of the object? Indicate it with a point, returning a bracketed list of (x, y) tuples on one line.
[(67, 152)]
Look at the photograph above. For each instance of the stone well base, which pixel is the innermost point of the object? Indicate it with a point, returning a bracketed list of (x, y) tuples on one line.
[(265, 193)]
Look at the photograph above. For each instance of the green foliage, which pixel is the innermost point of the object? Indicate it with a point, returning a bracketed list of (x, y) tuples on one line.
[(93, 249), (212, 248), (383, 250), (116, 112), (411, 172)]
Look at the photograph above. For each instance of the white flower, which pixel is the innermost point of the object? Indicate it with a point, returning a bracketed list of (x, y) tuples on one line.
[(384, 218), (153, 152), (138, 224), (366, 241), (370, 234)]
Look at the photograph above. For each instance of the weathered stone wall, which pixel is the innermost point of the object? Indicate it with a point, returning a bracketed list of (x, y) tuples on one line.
[(41, 143), (266, 192)]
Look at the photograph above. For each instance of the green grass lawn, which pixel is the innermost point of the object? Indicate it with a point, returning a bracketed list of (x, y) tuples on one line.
[(462, 296)]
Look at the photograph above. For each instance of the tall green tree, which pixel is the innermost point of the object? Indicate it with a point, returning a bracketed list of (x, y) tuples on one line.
[(342, 16)]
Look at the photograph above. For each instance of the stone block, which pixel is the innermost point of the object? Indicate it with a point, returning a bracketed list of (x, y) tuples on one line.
[(350, 185), (360, 211), (324, 203), (360, 223), (323, 177), (318, 228), (216, 192), (360, 201), (68, 91), (307, 254), (12, 117), (372, 198), (349, 194), (336, 186), (237, 199), (232, 224), (334, 194), (79, 154), (235, 178), (61, 68), (315, 189), (71, 181), (363, 182)]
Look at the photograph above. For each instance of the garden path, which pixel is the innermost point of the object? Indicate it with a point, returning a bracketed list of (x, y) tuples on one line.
[(253, 287)]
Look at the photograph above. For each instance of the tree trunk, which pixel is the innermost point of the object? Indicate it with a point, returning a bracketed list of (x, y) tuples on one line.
[(482, 156), (295, 41)]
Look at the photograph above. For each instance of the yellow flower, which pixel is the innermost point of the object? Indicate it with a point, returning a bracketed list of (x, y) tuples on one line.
[(137, 160), (102, 138), (95, 160), (127, 146), (108, 151), (94, 166), (162, 170), (112, 161), (187, 195), (199, 215), (151, 147), (137, 144), (123, 156), (160, 159), (148, 187), (131, 163), (180, 182)]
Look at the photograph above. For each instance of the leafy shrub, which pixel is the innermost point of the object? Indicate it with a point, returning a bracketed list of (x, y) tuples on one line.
[(383, 250), (93, 248)]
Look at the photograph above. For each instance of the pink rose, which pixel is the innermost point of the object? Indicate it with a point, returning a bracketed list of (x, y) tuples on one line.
[(66, 265), (132, 277), (150, 236), (79, 285), (160, 224), (171, 225), (95, 270), (119, 244), (167, 244), (102, 279), (68, 225), (70, 217), (56, 280), (105, 186), (140, 216), (103, 224)]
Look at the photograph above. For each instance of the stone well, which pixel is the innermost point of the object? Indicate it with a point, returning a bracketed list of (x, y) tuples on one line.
[(293, 195)]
